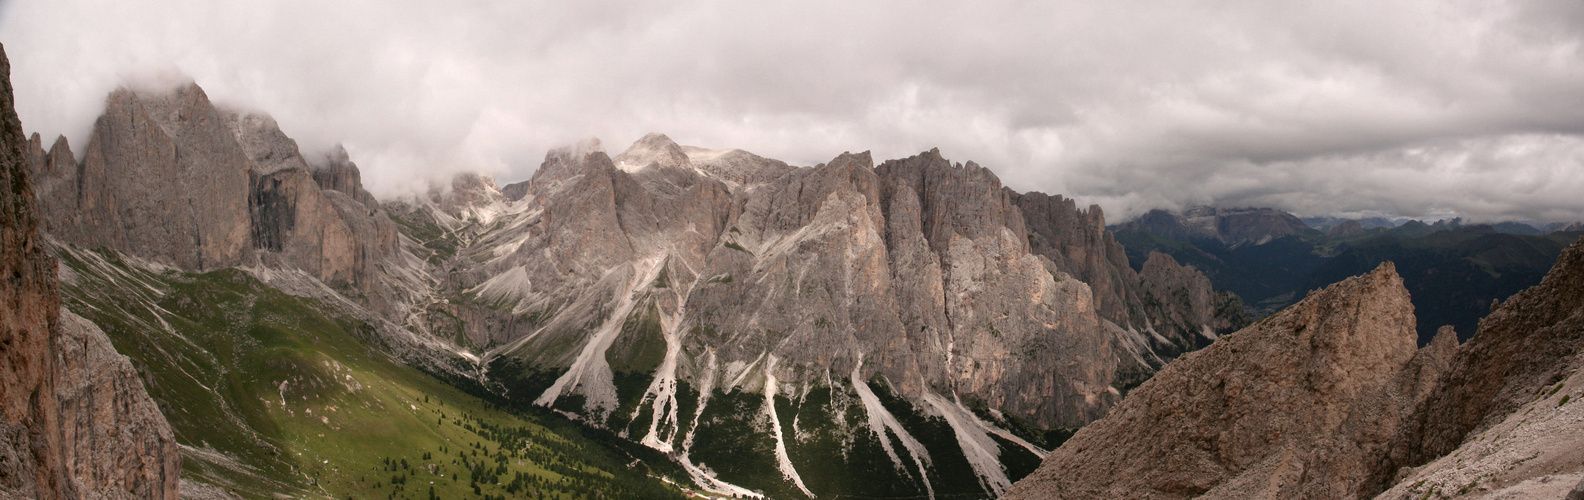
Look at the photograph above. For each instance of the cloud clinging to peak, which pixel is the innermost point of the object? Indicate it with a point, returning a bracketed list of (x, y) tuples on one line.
[(1412, 107)]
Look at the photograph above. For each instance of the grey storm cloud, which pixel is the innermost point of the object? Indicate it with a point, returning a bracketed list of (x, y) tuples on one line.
[(1414, 108)]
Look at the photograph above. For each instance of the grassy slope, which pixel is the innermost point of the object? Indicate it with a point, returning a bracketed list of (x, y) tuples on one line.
[(268, 393)]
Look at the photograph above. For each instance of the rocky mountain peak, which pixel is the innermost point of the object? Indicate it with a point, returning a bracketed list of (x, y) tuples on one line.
[(262, 140), (735, 166), (654, 149), (1345, 229), (164, 177), (564, 163), (335, 171), (173, 109)]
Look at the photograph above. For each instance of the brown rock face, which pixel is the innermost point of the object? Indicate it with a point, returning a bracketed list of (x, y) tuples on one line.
[(117, 444), (77, 422), (32, 465), (1299, 405)]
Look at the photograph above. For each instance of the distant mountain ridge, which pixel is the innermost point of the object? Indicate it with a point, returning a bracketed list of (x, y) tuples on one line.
[(1454, 269), (1231, 226)]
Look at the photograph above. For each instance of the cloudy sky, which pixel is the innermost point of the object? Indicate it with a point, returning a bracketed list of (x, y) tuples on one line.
[(1414, 108)]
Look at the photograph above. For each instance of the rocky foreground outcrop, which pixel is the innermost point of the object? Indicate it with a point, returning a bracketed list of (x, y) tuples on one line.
[(1506, 418), (116, 443), (31, 464), (1293, 406), (1328, 399), (77, 422)]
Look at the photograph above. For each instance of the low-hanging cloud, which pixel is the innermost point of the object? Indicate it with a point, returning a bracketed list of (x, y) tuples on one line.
[(1414, 107)]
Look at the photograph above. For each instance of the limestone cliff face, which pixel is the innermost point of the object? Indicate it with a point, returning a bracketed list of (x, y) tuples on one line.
[(170, 178), (162, 178), (1176, 299), (335, 171), (311, 218), (77, 422), (1170, 304), (916, 266), (1014, 334), (1299, 405)]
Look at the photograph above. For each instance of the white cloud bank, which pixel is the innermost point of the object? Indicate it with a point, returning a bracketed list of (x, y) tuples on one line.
[(1411, 107)]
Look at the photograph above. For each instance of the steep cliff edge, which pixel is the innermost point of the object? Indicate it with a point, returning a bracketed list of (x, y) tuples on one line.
[(77, 420), (32, 465), (1171, 304), (1295, 406)]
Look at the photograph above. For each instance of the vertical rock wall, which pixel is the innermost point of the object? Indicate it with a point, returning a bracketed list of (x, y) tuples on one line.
[(31, 464)]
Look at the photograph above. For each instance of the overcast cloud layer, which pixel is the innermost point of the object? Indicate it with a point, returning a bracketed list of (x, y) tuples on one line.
[(1414, 108)]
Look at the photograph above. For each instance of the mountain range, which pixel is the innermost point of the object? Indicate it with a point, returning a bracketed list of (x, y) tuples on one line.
[(750, 327), (1270, 259), (202, 310)]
